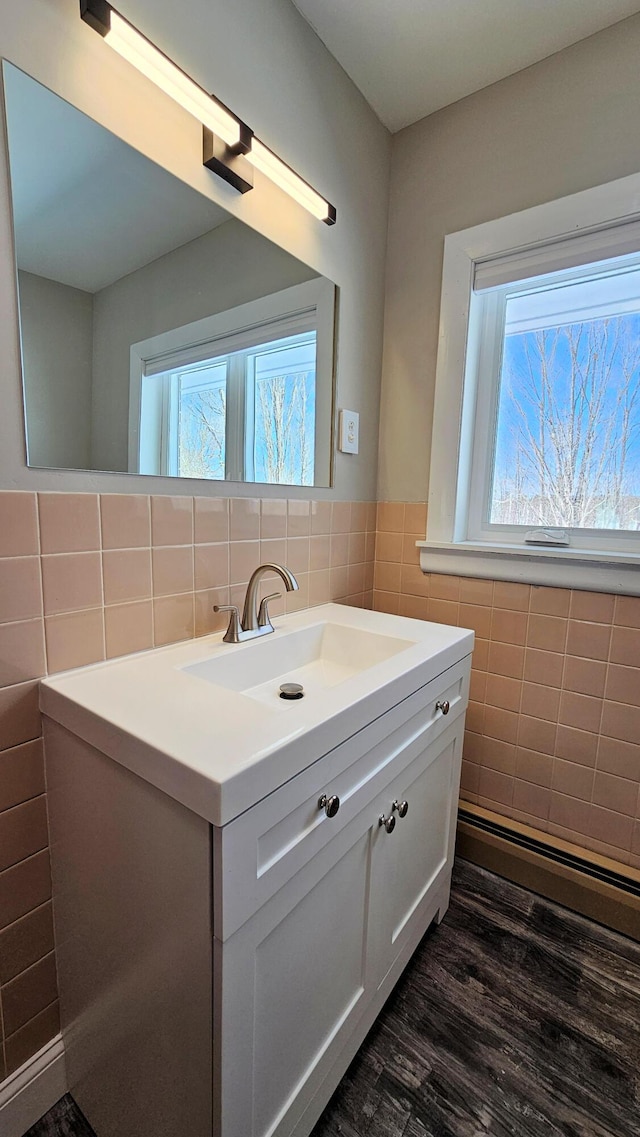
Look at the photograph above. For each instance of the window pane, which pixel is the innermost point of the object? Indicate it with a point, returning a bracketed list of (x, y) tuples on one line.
[(285, 395), (568, 418), (202, 422)]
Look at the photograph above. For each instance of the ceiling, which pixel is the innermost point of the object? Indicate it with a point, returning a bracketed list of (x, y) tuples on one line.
[(412, 57)]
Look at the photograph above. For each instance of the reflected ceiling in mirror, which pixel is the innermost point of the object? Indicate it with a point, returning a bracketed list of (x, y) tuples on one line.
[(159, 334)]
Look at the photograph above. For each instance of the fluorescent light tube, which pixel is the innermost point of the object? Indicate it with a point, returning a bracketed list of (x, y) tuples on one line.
[(265, 160), (150, 61)]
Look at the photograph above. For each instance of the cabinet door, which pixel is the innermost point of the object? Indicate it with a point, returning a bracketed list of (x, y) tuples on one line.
[(291, 983), (411, 863)]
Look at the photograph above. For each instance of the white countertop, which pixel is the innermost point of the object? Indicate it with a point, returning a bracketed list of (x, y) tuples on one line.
[(218, 751)]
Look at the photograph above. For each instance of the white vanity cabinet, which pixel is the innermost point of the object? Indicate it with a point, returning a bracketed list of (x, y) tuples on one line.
[(298, 923), (303, 979)]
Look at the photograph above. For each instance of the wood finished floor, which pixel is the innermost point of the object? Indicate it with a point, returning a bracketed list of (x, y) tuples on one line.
[(515, 1018)]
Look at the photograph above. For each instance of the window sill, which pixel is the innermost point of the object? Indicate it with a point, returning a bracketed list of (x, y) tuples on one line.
[(591, 570)]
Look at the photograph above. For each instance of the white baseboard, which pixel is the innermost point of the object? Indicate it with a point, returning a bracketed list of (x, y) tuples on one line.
[(28, 1093)]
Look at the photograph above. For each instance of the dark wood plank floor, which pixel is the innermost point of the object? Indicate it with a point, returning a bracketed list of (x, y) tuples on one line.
[(515, 1018)]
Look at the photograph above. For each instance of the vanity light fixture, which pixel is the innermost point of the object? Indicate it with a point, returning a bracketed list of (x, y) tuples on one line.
[(229, 146), (268, 163), (226, 138)]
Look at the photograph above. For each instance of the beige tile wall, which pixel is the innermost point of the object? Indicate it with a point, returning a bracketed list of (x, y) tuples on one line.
[(85, 577), (553, 727)]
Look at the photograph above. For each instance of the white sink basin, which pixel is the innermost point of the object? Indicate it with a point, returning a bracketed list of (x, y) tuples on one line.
[(318, 657), (203, 722)]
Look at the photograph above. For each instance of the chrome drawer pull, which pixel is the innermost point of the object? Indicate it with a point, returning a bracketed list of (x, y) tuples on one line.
[(331, 805), (388, 822), (402, 808), (443, 706)]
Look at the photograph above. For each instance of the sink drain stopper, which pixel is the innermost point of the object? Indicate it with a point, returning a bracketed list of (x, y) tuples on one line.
[(291, 691)]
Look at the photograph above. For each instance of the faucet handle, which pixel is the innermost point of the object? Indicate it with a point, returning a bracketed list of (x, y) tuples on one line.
[(232, 634), (264, 620)]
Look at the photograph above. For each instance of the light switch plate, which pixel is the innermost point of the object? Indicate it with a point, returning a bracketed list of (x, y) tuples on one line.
[(348, 432)]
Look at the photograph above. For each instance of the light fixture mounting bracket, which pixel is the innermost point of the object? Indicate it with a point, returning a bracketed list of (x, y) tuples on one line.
[(228, 162)]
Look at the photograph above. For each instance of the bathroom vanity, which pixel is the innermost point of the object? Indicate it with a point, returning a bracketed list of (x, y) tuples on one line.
[(239, 880)]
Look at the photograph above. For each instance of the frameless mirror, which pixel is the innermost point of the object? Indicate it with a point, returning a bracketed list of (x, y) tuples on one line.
[(159, 334)]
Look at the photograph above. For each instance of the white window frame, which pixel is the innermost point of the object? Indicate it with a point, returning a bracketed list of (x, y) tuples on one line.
[(301, 308), (605, 221)]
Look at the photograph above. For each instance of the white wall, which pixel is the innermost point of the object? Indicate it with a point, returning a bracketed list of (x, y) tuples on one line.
[(262, 59), (226, 267), (57, 337), (570, 122)]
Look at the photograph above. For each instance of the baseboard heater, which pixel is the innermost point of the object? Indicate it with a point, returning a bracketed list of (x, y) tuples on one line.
[(557, 855), (588, 883)]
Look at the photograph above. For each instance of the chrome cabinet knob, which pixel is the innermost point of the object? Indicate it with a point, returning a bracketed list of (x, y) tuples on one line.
[(331, 805), (443, 706), (401, 807), (388, 822)]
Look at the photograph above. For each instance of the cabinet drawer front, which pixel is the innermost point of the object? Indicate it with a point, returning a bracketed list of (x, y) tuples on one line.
[(258, 852)]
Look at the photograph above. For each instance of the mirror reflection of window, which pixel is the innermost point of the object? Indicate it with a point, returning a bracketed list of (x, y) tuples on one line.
[(200, 421), (284, 383), (243, 415)]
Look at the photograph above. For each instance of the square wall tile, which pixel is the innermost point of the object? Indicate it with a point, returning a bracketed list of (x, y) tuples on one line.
[(21, 775), (172, 568), (126, 521), (243, 559), (18, 524), (26, 941), (625, 647), (594, 607), (23, 831), (24, 887), (171, 520), (549, 633), (127, 575), (550, 601), (21, 652), (71, 581), (415, 519), (627, 611), (69, 522), (474, 591), (211, 566), (615, 756), (588, 640), (584, 676), (320, 517), (27, 994), (74, 639), (298, 518), (576, 745), (128, 628), (244, 519), (391, 517), (173, 619), (210, 519), (507, 594), (359, 510), (20, 588), (23, 1043), (341, 517), (19, 714)]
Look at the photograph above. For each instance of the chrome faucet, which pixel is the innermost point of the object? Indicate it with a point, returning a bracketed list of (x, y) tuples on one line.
[(255, 620)]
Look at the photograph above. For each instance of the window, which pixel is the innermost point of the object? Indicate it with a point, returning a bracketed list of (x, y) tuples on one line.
[(557, 437), (243, 396), (536, 441)]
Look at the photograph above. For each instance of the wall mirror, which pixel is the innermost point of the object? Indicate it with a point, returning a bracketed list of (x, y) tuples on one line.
[(159, 334)]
